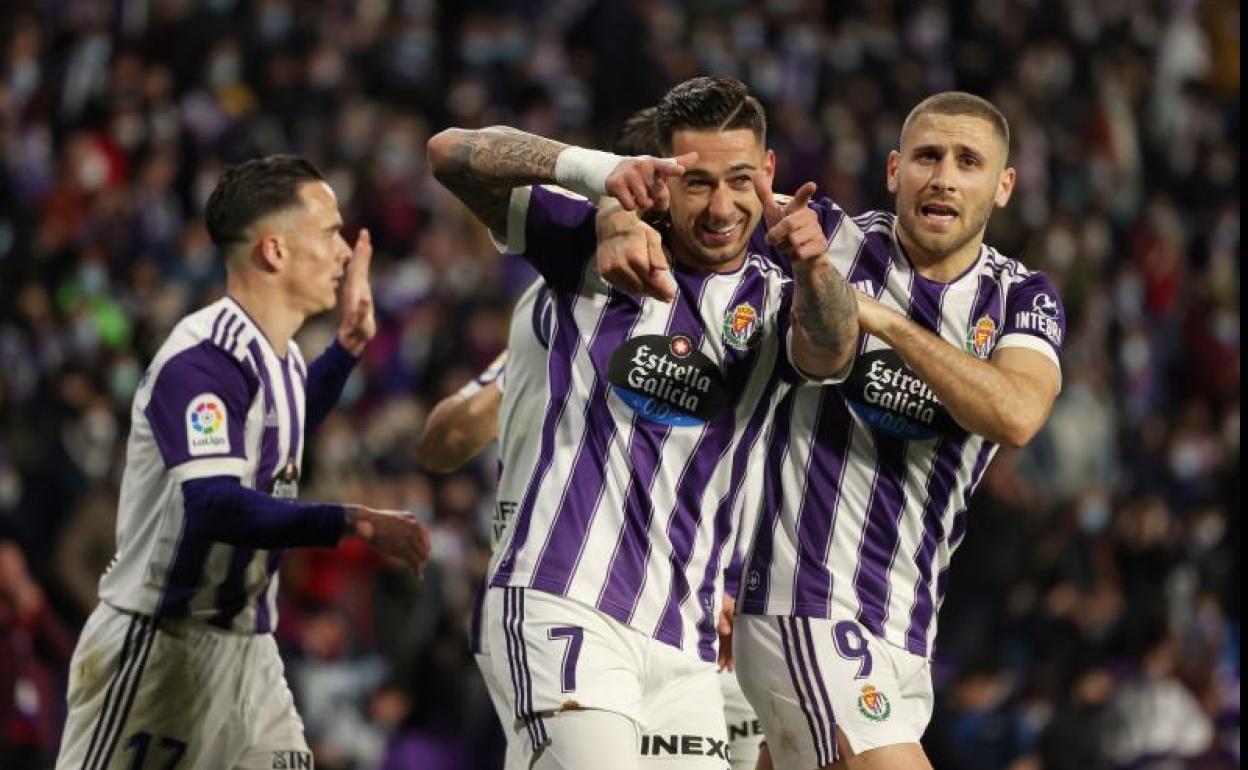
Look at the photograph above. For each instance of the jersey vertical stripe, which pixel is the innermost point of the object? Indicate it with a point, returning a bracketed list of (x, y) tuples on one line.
[(867, 481), (631, 500)]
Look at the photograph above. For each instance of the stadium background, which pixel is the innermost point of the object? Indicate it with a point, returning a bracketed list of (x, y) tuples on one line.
[(1093, 614)]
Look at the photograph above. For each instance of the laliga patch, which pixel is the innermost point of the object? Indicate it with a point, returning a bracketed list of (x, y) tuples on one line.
[(740, 328), (206, 430), (873, 705), (887, 394), (666, 380), (980, 337)]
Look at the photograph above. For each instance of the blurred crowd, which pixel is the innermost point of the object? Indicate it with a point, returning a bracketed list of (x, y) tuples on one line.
[(1093, 611)]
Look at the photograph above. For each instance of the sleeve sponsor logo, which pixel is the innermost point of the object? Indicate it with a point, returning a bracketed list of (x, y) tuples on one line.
[(886, 393), (741, 326), (207, 429), (1043, 319), (1045, 305), (665, 379)]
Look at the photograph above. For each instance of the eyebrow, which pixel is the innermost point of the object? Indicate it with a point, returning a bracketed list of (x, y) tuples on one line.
[(940, 148), (734, 169)]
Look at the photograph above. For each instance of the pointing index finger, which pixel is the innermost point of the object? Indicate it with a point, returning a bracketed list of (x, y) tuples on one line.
[(772, 212), (668, 167), (801, 198)]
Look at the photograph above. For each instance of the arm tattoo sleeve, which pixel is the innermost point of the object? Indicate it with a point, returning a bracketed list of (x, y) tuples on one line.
[(825, 308), (481, 168)]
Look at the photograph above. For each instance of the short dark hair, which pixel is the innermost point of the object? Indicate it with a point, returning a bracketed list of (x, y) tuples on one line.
[(255, 189), (639, 135), (962, 103), (714, 103)]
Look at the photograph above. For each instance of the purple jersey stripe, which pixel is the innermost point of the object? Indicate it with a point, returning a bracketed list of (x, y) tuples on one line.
[(700, 466), (958, 529), (827, 733), (268, 440), (940, 484), (476, 644), (833, 432), (756, 578), (724, 522), (880, 535), (184, 574), (232, 593), (216, 325), (559, 369), (627, 572), (584, 486), (264, 620), (296, 428)]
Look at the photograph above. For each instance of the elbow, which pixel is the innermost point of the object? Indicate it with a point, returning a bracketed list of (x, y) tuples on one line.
[(437, 454), (443, 152), (1019, 433)]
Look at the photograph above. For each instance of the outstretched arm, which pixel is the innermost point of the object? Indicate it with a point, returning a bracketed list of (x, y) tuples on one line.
[(463, 423), (482, 166)]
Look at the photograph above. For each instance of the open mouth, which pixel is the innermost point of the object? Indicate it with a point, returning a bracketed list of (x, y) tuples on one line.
[(939, 215), (719, 234)]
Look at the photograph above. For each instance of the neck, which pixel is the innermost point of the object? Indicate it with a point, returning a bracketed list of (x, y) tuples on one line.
[(267, 309), (935, 267)]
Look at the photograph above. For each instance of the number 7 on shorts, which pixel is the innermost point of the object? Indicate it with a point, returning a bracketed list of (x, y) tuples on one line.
[(571, 653)]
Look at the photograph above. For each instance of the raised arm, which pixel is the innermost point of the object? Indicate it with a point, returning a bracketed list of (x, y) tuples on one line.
[(463, 423), (482, 166), (825, 314)]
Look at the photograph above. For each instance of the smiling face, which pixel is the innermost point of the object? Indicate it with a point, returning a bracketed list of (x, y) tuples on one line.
[(316, 254), (714, 207), (947, 177)]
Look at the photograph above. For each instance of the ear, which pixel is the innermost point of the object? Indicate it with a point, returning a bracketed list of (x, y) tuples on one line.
[(769, 165), (1005, 188), (271, 252), (894, 169)]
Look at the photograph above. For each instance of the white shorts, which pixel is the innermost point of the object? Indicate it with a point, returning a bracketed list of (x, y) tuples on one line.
[(177, 694), (745, 731), (553, 654), (809, 676)]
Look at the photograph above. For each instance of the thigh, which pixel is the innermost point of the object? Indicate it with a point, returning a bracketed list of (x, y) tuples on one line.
[(587, 739), (745, 731), (682, 714), (275, 738), (776, 677), (143, 697), (552, 655)]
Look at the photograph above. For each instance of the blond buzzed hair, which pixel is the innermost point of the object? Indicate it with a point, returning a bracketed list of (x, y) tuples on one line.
[(961, 103)]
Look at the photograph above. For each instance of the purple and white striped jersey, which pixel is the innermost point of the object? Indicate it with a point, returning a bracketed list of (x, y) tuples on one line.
[(215, 401), (867, 482), (650, 410)]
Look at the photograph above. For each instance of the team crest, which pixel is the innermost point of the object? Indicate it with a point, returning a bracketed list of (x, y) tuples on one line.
[(873, 705), (979, 339), (740, 326)]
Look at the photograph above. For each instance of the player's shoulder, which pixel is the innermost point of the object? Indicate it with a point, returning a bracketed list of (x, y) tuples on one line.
[(216, 339), (1010, 272)]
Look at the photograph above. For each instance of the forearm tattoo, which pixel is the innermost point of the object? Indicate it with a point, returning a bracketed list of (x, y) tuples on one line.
[(485, 165), (826, 309)]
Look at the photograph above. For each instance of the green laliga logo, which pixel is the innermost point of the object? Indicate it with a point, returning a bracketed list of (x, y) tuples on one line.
[(873, 705)]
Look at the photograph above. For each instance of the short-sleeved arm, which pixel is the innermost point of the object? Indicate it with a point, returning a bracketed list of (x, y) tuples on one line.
[(789, 371), (197, 411), (554, 231), (1034, 318)]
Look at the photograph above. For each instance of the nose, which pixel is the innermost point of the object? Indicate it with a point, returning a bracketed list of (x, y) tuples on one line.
[(943, 175), (721, 207)]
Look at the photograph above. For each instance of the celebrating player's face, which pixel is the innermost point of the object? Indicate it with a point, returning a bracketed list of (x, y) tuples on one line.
[(714, 208), (318, 253), (947, 177)]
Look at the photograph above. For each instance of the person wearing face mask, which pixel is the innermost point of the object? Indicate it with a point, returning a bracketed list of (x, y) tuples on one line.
[(177, 665)]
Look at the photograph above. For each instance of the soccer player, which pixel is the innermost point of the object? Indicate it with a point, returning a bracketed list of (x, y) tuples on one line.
[(867, 481), (606, 589), (177, 666)]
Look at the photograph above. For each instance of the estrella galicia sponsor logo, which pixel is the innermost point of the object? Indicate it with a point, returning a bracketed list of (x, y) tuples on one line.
[(684, 745), (741, 326), (667, 380), (292, 760), (873, 704), (886, 393), (207, 430), (1042, 318), (980, 337)]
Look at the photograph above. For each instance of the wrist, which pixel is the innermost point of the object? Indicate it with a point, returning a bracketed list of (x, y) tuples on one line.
[(585, 171), (352, 342)]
